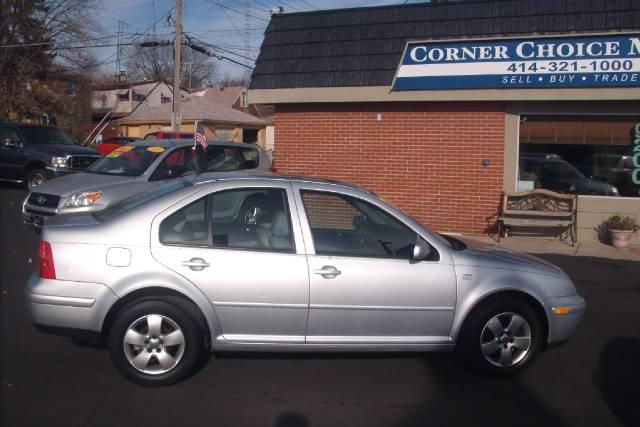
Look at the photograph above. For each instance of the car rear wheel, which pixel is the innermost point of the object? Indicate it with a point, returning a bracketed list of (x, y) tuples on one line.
[(502, 338), (155, 343), (36, 177)]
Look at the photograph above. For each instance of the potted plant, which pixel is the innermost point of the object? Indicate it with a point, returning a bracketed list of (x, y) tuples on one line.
[(620, 229)]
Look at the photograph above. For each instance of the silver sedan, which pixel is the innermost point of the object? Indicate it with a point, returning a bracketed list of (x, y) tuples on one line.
[(253, 262), (132, 168)]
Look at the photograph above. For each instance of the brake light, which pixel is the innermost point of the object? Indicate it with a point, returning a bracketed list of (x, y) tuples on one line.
[(273, 169), (47, 269)]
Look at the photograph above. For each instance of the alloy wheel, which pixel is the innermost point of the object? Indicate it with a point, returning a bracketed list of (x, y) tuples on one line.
[(505, 339), (154, 344)]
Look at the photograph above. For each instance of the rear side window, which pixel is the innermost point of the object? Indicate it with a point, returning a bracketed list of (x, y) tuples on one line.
[(227, 158), (250, 219), (187, 227)]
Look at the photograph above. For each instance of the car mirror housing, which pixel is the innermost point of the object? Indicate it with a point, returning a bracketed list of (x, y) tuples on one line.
[(10, 143), (421, 251)]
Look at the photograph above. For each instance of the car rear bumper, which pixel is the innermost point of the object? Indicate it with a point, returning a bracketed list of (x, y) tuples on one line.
[(62, 304), (562, 326)]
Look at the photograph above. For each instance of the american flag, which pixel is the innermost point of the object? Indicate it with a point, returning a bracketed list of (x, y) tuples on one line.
[(200, 137)]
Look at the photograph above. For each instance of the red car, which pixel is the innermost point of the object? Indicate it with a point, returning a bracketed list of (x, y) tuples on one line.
[(169, 135), (110, 144)]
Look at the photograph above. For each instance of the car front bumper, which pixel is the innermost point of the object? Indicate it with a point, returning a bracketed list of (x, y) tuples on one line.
[(69, 305), (562, 326)]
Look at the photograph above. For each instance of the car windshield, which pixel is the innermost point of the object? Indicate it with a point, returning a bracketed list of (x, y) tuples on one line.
[(128, 160), (45, 135), (138, 199)]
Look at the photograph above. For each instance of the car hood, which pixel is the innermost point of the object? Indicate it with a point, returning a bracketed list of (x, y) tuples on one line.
[(63, 149), (70, 184), (480, 254)]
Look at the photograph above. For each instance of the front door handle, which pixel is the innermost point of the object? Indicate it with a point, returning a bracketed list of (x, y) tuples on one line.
[(196, 264), (328, 272)]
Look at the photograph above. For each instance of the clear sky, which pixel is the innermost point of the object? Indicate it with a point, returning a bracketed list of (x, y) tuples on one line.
[(219, 22)]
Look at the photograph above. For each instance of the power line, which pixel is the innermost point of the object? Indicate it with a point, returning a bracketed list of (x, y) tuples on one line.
[(238, 12), (53, 43), (308, 4)]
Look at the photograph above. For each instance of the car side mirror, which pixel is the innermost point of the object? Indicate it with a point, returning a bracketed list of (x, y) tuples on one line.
[(10, 143), (421, 251)]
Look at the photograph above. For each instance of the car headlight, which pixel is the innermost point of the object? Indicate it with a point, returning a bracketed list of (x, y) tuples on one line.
[(613, 191), (82, 199), (59, 162)]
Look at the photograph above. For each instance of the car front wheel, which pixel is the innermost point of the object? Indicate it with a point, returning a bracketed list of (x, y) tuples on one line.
[(36, 177), (155, 343), (502, 337)]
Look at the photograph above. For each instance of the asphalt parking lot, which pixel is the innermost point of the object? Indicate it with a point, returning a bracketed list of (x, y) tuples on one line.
[(592, 380)]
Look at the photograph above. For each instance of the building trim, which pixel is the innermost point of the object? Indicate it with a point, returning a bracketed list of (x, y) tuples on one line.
[(384, 94)]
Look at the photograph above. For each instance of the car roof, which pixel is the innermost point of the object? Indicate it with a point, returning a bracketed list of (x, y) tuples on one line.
[(257, 175), (187, 142), (30, 125)]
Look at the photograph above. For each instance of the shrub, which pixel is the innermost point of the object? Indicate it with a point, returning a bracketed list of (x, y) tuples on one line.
[(618, 222)]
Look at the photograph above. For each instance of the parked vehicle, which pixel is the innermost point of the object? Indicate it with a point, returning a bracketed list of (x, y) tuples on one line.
[(34, 154), (562, 177), (250, 262), (169, 135), (110, 144), (615, 169), (133, 168)]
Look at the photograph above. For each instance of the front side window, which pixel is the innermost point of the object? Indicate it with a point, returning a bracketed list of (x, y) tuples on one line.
[(8, 133), (347, 226), (180, 162), (585, 155)]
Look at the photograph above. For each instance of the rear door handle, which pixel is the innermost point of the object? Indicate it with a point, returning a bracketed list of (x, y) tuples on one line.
[(196, 264), (328, 272)]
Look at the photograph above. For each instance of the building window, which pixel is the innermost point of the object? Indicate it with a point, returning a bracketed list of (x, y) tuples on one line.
[(123, 95), (585, 155), (165, 99), (68, 87)]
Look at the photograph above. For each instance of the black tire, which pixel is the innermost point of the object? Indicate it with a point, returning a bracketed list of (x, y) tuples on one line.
[(178, 314), (35, 177), (476, 331)]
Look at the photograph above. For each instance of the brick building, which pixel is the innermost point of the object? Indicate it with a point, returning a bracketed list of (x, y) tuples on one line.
[(440, 107)]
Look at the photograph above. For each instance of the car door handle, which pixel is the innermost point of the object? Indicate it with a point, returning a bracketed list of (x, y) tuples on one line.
[(328, 272), (196, 264)]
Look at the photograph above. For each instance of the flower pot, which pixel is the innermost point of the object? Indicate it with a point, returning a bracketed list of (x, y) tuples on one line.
[(620, 238)]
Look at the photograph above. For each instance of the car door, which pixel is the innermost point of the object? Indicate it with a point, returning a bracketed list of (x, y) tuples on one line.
[(364, 287), (242, 247), (12, 156)]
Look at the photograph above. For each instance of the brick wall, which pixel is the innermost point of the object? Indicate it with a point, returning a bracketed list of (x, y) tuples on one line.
[(424, 158)]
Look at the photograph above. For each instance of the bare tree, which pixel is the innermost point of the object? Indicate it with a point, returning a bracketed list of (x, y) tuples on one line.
[(156, 63), (71, 24), (42, 40), (228, 81)]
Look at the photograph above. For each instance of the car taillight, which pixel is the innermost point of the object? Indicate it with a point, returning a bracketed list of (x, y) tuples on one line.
[(47, 269), (273, 169)]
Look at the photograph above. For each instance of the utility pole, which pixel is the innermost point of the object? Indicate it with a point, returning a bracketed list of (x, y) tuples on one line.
[(177, 46), (247, 40)]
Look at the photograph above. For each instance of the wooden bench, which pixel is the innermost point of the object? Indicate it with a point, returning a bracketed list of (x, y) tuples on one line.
[(538, 208)]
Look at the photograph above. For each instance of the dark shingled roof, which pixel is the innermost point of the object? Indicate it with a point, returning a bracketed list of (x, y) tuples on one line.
[(362, 46)]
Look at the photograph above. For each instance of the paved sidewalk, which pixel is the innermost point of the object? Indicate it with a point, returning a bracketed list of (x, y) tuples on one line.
[(542, 245)]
